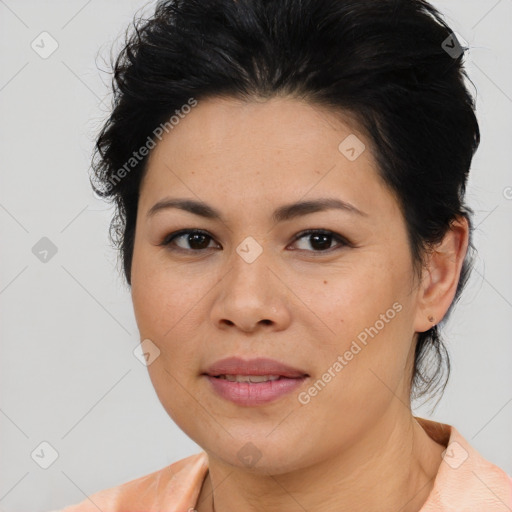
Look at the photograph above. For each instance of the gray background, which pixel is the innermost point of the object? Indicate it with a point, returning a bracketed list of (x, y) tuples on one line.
[(68, 375)]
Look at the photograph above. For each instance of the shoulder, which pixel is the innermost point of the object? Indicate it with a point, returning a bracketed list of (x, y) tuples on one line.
[(465, 479), (170, 488)]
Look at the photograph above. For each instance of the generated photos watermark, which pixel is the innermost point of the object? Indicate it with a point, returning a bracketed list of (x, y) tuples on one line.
[(143, 151), (342, 360)]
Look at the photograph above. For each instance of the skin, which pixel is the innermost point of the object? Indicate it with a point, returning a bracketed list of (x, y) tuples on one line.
[(356, 445)]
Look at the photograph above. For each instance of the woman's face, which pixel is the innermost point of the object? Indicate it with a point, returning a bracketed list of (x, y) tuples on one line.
[(340, 307)]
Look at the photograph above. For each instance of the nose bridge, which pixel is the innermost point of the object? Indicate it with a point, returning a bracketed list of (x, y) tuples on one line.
[(249, 266), (250, 293)]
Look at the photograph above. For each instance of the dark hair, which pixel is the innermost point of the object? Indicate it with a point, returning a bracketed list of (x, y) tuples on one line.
[(394, 66)]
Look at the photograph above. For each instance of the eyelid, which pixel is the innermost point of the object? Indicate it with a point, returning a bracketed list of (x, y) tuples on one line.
[(176, 234), (321, 231), (342, 241)]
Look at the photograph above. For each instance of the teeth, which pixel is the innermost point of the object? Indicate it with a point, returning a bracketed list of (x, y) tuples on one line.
[(249, 378)]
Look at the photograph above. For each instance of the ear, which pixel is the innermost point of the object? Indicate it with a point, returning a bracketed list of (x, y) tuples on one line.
[(440, 276)]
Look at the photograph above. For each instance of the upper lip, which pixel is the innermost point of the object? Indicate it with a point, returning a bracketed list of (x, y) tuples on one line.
[(257, 366)]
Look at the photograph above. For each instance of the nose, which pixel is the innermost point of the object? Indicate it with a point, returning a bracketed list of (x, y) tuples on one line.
[(250, 297)]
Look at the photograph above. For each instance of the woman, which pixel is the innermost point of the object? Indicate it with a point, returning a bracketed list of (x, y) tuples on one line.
[(290, 177)]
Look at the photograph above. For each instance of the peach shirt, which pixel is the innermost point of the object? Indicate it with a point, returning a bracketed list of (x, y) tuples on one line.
[(465, 482)]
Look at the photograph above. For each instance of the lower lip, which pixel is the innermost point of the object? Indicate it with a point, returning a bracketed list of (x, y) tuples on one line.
[(254, 393)]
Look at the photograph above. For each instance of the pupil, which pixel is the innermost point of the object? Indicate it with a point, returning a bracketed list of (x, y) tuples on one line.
[(322, 246), (321, 242), (192, 239)]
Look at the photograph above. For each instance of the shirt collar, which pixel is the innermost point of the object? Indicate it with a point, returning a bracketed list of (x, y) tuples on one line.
[(465, 480)]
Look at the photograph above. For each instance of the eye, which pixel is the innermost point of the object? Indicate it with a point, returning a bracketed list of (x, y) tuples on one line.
[(321, 239), (199, 240)]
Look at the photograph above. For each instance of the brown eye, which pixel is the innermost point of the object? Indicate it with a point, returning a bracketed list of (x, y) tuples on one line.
[(320, 240), (196, 240)]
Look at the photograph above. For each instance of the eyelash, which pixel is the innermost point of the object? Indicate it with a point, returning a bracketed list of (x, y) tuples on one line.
[(167, 241)]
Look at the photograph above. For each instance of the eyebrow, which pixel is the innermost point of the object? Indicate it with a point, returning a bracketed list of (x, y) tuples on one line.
[(281, 214)]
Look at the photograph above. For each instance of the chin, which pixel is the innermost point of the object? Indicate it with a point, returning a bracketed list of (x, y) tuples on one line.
[(259, 453)]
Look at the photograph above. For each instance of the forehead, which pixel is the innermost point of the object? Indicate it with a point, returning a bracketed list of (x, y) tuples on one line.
[(274, 125), (257, 151)]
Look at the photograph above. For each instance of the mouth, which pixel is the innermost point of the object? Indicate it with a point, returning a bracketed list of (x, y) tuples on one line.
[(253, 382), (238, 368), (250, 378)]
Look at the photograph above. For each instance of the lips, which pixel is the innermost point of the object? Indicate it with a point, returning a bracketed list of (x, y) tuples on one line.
[(253, 382), (250, 378), (235, 368)]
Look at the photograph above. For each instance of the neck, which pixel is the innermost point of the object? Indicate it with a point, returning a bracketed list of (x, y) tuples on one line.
[(392, 467)]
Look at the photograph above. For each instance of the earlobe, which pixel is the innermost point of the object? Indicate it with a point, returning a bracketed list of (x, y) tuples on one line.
[(441, 275)]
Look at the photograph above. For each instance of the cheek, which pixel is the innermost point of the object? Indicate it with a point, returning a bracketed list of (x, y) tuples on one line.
[(162, 296), (362, 373), (162, 305), (370, 314), (354, 300), (169, 309)]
